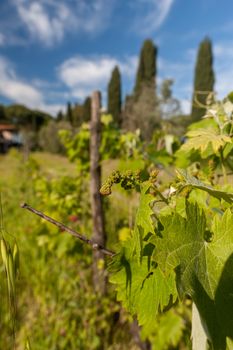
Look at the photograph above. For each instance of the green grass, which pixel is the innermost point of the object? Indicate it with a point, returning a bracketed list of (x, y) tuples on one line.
[(16, 187), (54, 165)]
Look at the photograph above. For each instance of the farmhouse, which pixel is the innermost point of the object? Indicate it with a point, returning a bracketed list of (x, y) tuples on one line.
[(9, 137)]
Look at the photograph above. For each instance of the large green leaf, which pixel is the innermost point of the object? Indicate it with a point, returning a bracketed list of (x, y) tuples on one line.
[(143, 222), (189, 180), (200, 140), (143, 289), (204, 268)]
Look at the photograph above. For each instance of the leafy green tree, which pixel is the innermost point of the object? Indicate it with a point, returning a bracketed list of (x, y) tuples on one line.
[(114, 95), (48, 137), (141, 109), (147, 67), (26, 118), (203, 79)]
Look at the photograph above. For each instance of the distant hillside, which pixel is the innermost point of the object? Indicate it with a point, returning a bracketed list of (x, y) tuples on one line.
[(24, 117)]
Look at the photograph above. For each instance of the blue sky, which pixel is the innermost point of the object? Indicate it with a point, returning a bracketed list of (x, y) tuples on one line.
[(54, 51)]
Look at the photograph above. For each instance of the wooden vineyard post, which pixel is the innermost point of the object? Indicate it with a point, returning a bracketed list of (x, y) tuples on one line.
[(99, 279)]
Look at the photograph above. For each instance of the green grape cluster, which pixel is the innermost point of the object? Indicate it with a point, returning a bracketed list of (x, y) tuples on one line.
[(153, 176), (128, 181)]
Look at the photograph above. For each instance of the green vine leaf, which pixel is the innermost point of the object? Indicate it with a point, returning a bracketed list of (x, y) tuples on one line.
[(143, 222), (189, 180), (200, 140), (143, 289), (203, 266)]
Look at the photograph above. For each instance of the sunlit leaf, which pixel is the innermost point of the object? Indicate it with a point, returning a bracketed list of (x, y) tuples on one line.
[(143, 221), (189, 180), (200, 139), (203, 265)]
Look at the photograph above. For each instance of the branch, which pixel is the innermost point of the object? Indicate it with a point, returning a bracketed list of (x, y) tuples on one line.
[(63, 227)]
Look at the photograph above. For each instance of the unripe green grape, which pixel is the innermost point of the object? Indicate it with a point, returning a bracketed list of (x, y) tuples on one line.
[(116, 177), (129, 173), (153, 175), (106, 189), (138, 175)]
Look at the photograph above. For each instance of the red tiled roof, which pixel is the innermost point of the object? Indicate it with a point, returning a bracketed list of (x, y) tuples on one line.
[(9, 127)]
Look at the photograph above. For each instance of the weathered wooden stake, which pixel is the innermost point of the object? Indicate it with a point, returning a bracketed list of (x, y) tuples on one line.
[(99, 278)]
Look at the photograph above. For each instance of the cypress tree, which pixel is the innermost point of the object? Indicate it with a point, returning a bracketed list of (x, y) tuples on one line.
[(69, 113), (147, 67), (203, 80), (114, 95), (87, 109)]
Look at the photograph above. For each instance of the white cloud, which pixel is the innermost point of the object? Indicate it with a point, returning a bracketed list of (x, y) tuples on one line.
[(80, 71), (47, 28), (151, 14), (82, 74), (49, 20), (19, 91), (15, 89)]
